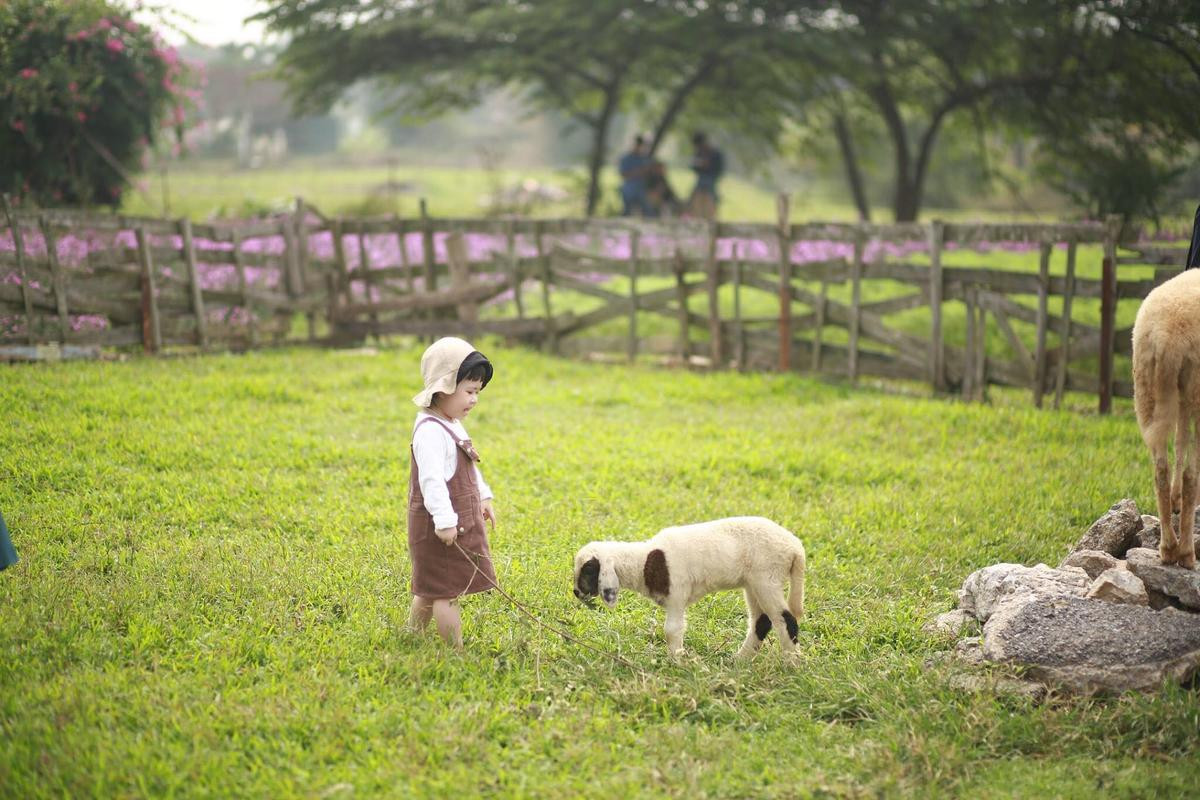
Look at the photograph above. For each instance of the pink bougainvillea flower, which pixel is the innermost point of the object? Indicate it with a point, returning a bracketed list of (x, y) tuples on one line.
[(17, 125), (82, 116), (73, 87), (29, 72), (115, 45)]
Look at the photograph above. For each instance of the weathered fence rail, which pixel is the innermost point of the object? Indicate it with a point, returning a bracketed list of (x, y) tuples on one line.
[(851, 299)]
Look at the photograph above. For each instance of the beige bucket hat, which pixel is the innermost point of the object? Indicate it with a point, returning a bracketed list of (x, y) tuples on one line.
[(439, 368)]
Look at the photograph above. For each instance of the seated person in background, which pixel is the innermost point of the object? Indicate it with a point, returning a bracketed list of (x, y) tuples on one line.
[(634, 167), (661, 198)]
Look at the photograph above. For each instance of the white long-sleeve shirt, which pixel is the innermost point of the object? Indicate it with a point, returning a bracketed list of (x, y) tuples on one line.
[(437, 457)]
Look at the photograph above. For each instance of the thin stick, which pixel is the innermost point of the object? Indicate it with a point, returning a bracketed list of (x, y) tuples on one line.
[(522, 608)]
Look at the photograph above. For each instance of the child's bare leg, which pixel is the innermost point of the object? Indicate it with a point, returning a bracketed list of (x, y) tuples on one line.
[(419, 614), (449, 622)]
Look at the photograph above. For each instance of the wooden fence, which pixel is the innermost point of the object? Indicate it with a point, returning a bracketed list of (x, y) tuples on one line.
[(847, 299)]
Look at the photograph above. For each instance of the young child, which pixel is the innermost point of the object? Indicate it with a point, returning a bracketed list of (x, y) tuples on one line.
[(448, 500)]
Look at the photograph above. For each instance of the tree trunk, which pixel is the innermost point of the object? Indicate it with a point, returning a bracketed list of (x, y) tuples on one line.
[(679, 98), (599, 152), (850, 160)]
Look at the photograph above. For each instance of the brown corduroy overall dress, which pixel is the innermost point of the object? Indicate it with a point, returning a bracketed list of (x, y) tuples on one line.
[(440, 571)]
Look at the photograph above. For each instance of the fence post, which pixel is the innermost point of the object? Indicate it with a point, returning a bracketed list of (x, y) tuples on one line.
[(551, 343), (713, 270), (19, 244), (151, 327), (302, 271), (1039, 364), (782, 213), (1108, 311), (681, 299), (189, 260), (427, 249), (739, 326), (968, 367), (1060, 382), (401, 228), (60, 280), (856, 268), (819, 324), (937, 346), (514, 266), (632, 346)]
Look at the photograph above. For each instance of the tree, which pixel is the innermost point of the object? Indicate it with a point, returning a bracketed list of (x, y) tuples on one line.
[(587, 60), (85, 91), (1116, 137)]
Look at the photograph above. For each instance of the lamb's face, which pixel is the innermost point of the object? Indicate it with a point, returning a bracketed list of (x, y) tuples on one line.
[(595, 576)]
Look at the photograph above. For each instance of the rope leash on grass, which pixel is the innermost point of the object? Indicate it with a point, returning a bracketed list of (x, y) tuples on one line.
[(525, 610)]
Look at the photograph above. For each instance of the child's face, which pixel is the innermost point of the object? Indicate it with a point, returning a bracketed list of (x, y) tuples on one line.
[(459, 404)]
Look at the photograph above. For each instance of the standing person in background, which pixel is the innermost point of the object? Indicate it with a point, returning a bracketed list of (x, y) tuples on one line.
[(635, 167), (708, 163), (8, 554), (1193, 256)]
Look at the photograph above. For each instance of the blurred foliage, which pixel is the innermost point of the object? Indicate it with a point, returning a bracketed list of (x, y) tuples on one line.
[(85, 91)]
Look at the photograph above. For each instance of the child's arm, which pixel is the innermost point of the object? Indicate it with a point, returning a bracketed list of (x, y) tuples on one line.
[(485, 497), (431, 449)]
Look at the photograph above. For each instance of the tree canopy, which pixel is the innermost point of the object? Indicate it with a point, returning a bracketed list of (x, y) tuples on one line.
[(1099, 84)]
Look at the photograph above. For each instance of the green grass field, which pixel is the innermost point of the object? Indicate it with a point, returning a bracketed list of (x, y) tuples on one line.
[(200, 189), (213, 586)]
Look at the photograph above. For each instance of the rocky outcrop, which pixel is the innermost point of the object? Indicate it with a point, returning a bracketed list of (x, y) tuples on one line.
[(1093, 562), (1115, 532), (987, 589), (1085, 646), (1119, 585), (1111, 617)]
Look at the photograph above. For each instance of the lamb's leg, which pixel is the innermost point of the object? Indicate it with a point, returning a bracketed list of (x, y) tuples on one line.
[(673, 628), (1181, 461), (1162, 487), (774, 605), (1185, 552), (758, 625)]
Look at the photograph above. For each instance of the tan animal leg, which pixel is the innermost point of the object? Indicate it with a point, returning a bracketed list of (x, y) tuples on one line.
[(753, 627), (1185, 553), (1162, 486)]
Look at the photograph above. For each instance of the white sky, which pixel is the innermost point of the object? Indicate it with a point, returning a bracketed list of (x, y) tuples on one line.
[(211, 22)]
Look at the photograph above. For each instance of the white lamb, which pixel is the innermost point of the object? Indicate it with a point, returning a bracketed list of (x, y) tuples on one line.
[(679, 565), (1166, 389)]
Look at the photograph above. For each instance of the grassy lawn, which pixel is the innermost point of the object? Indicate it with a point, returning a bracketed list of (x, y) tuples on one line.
[(199, 189), (214, 581)]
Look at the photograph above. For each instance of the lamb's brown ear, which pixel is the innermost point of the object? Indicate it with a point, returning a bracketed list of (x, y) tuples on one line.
[(656, 575)]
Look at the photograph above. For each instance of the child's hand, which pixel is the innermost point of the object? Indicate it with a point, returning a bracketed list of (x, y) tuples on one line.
[(447, 535), (489, 513)]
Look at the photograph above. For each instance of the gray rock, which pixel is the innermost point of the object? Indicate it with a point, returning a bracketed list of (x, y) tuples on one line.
[(1119, 585), (969, 651), (952, 623), (987, 589), (1174, 581), (1150, 533), (1093, 562), (1085, 646), (1115, 532), (996, 684)]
